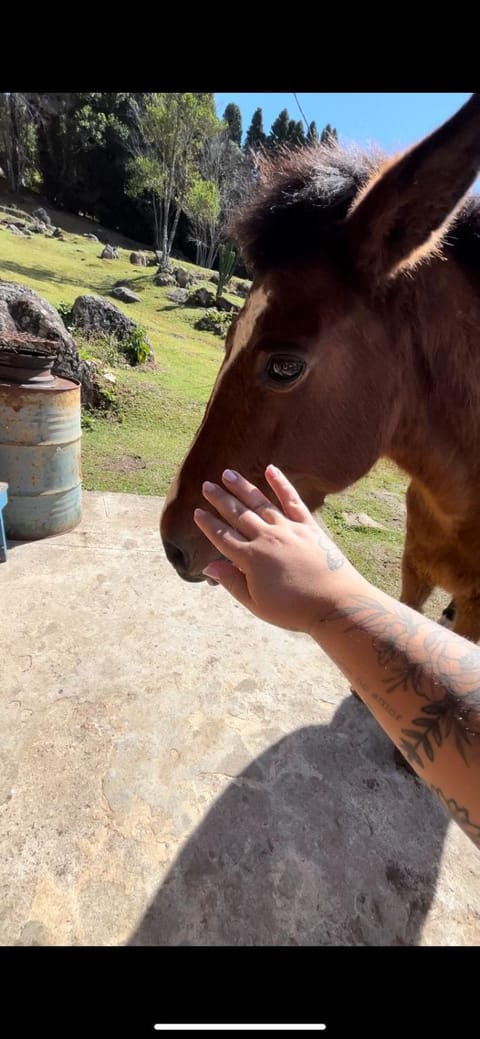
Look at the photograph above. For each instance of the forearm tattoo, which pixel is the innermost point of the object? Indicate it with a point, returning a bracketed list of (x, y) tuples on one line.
[(459, 814), (441, 669), (335, 558)]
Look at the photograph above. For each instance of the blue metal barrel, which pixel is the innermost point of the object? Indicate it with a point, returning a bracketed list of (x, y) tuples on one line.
[(40, 458)]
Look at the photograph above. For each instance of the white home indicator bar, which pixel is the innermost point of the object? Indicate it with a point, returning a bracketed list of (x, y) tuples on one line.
[(240, 1028)]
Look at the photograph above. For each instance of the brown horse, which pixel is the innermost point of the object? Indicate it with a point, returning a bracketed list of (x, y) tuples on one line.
[(360, 338)]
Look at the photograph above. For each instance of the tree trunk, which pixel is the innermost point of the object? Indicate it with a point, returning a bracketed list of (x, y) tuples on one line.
[(211, 256), (156, 233), (174, 230), (14, 164)]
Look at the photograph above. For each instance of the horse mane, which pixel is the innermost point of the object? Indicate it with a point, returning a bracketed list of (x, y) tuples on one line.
[(302, 196)]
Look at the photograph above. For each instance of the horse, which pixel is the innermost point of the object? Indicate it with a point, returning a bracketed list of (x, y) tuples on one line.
[(359, 339)]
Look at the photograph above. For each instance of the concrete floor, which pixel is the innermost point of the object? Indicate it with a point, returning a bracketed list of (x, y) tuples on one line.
[(173, 771)]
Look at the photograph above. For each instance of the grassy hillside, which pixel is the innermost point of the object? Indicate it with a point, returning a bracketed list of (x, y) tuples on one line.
[(160, 407)]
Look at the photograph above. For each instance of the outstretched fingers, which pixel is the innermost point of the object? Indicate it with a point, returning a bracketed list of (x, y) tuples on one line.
[(289, 499), (250, 496), (229, 542), (232, 509)]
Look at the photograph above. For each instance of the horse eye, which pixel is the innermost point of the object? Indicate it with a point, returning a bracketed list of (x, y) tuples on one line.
[(284, 369)]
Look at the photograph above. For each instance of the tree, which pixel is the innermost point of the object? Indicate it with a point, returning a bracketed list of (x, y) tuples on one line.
[(328, 135), (17, 139), (279, 131), (83, 151), (233, 116), (255, 137), (166, 149), (202, 206), (224, 166), (296, 135), (312, 133), (285, 132)]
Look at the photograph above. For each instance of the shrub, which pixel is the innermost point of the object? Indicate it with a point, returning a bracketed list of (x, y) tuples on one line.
[(136, 346), (65, 311), (104, 348), (215, 321), (107, 348)]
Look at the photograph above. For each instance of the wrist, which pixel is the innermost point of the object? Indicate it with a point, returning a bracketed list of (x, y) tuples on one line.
[(338, 601)]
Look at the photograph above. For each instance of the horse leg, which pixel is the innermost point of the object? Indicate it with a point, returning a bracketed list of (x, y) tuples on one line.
[(467, 617), (416, 588)]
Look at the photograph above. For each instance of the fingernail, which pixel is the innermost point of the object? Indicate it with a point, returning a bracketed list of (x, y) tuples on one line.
[(199, 512), (273, 470), (208, 486), (228, 474), (209, 571)]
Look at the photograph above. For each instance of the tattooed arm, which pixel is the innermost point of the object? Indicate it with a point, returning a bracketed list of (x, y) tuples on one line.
[(419, 680)]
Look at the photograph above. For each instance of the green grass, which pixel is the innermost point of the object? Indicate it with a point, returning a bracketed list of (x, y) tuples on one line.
[(160, 407), (138, 448)]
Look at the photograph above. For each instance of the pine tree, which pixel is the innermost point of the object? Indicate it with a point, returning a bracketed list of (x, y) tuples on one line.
[(233, 116), (255, 136), (312, 133), (279, 130), (328, 135), (296, 135)]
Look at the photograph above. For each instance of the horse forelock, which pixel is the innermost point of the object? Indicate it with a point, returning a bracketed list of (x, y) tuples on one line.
[(296, 211)]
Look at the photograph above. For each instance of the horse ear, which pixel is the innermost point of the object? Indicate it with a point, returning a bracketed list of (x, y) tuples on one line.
[(401, 215)]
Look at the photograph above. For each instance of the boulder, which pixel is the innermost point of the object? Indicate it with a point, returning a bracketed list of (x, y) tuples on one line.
[(139, 259), (58, 233), (125, 295), (201, 298), (163, 278), (227, 306), (91, 237), (241, 288), (110, 252), (23, 310), (182, 277), (96, 315), (178, 296), (42, 215)]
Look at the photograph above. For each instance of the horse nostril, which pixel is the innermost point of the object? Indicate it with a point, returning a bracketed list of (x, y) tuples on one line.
[(176, 556)]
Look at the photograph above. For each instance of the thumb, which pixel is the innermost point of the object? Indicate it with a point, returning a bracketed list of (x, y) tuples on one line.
[(231, 578)]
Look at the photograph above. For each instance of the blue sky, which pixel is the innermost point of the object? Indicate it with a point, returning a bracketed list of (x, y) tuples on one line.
[(391, 120)]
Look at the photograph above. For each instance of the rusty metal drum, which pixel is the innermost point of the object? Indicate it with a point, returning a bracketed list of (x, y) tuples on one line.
[(40, 455)]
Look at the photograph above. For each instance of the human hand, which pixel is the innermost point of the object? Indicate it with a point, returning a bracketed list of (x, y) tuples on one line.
[(279, 563)]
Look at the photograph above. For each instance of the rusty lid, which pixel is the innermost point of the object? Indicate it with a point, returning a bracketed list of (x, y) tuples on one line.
[(25, 358)]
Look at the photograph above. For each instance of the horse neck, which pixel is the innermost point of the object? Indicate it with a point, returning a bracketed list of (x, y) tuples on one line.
[(435, 320)]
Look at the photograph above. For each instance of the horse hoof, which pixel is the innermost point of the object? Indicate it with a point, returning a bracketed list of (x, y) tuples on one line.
[(401, 761)]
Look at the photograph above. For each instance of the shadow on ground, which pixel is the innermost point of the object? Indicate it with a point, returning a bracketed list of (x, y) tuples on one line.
[(320, 841)]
